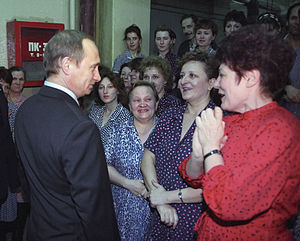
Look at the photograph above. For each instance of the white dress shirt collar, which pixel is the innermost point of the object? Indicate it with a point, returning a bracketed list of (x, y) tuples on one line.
[(64, 89)]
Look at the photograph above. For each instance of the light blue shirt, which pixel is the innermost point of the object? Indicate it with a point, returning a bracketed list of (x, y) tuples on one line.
[(64, 89)]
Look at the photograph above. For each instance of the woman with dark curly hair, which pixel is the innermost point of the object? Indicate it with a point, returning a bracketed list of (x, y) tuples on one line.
[(110, 101), (157, 71), (248, 163), (233, 21)]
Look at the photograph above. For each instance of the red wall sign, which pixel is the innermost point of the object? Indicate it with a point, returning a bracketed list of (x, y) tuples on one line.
[(26, 42), (33, 48)]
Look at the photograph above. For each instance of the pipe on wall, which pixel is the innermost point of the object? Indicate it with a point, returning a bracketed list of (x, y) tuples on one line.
[(87, 16), (72, 14)]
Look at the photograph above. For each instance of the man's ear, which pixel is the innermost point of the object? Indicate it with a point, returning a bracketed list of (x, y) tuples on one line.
[(66, 65), (252, 77)]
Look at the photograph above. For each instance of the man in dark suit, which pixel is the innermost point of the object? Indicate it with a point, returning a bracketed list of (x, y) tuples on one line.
[(187, 22), (62, 151)]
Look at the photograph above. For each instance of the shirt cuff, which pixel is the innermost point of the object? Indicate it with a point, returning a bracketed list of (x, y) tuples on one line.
[(195, 183)]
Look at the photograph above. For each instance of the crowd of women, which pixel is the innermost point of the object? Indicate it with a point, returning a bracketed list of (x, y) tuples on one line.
[(185, 163), (15, 209)]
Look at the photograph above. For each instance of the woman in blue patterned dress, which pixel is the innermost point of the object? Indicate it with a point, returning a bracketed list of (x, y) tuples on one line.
[(178, 206), (124, 154), (110, 100)]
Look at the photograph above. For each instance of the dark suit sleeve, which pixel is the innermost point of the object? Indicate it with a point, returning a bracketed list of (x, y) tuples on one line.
[(86, 170), (183, 48)]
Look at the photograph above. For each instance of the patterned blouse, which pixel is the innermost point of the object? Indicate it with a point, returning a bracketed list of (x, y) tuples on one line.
[(169, 151), (166, 102), (18, 101), (120, 115), (257, 190)]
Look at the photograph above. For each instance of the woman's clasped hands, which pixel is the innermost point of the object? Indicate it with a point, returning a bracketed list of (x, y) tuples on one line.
[(158, 199)]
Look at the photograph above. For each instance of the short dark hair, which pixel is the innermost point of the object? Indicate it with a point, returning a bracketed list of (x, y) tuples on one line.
[(164, 28), (135, 63), (237, 16), (206, 24), (251, 48), (132, 29), (5, 75), (67, 43), (162, 65), (289, 11), (211, 66), (143, 83), (17, 68), (123, 66), (192, 16), (114, 78)]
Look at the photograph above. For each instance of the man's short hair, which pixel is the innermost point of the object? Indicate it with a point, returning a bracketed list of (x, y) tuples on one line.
[(67, 43), (192, 16), (165, 28), (290, 10)]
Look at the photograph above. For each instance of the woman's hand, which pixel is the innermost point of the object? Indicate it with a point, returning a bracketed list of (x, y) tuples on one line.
[(197, 154), (157, 196), (211, 129), (136, 187), (168, 215)]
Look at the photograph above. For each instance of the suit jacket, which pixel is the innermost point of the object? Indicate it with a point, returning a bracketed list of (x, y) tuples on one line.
[(64, 161), (184, 47), (8, 158)]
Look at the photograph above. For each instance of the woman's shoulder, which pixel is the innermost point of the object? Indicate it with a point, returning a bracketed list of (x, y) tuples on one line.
[(121, 112), (96, 109), (126, 126), (173, 112), (171, 100), (126, 53), (271, 116)]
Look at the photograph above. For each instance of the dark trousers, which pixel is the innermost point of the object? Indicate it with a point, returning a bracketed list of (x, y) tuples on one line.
[(22, 214), (5, 228)]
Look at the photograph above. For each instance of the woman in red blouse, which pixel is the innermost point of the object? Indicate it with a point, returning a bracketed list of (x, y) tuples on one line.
[(252, 187)]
